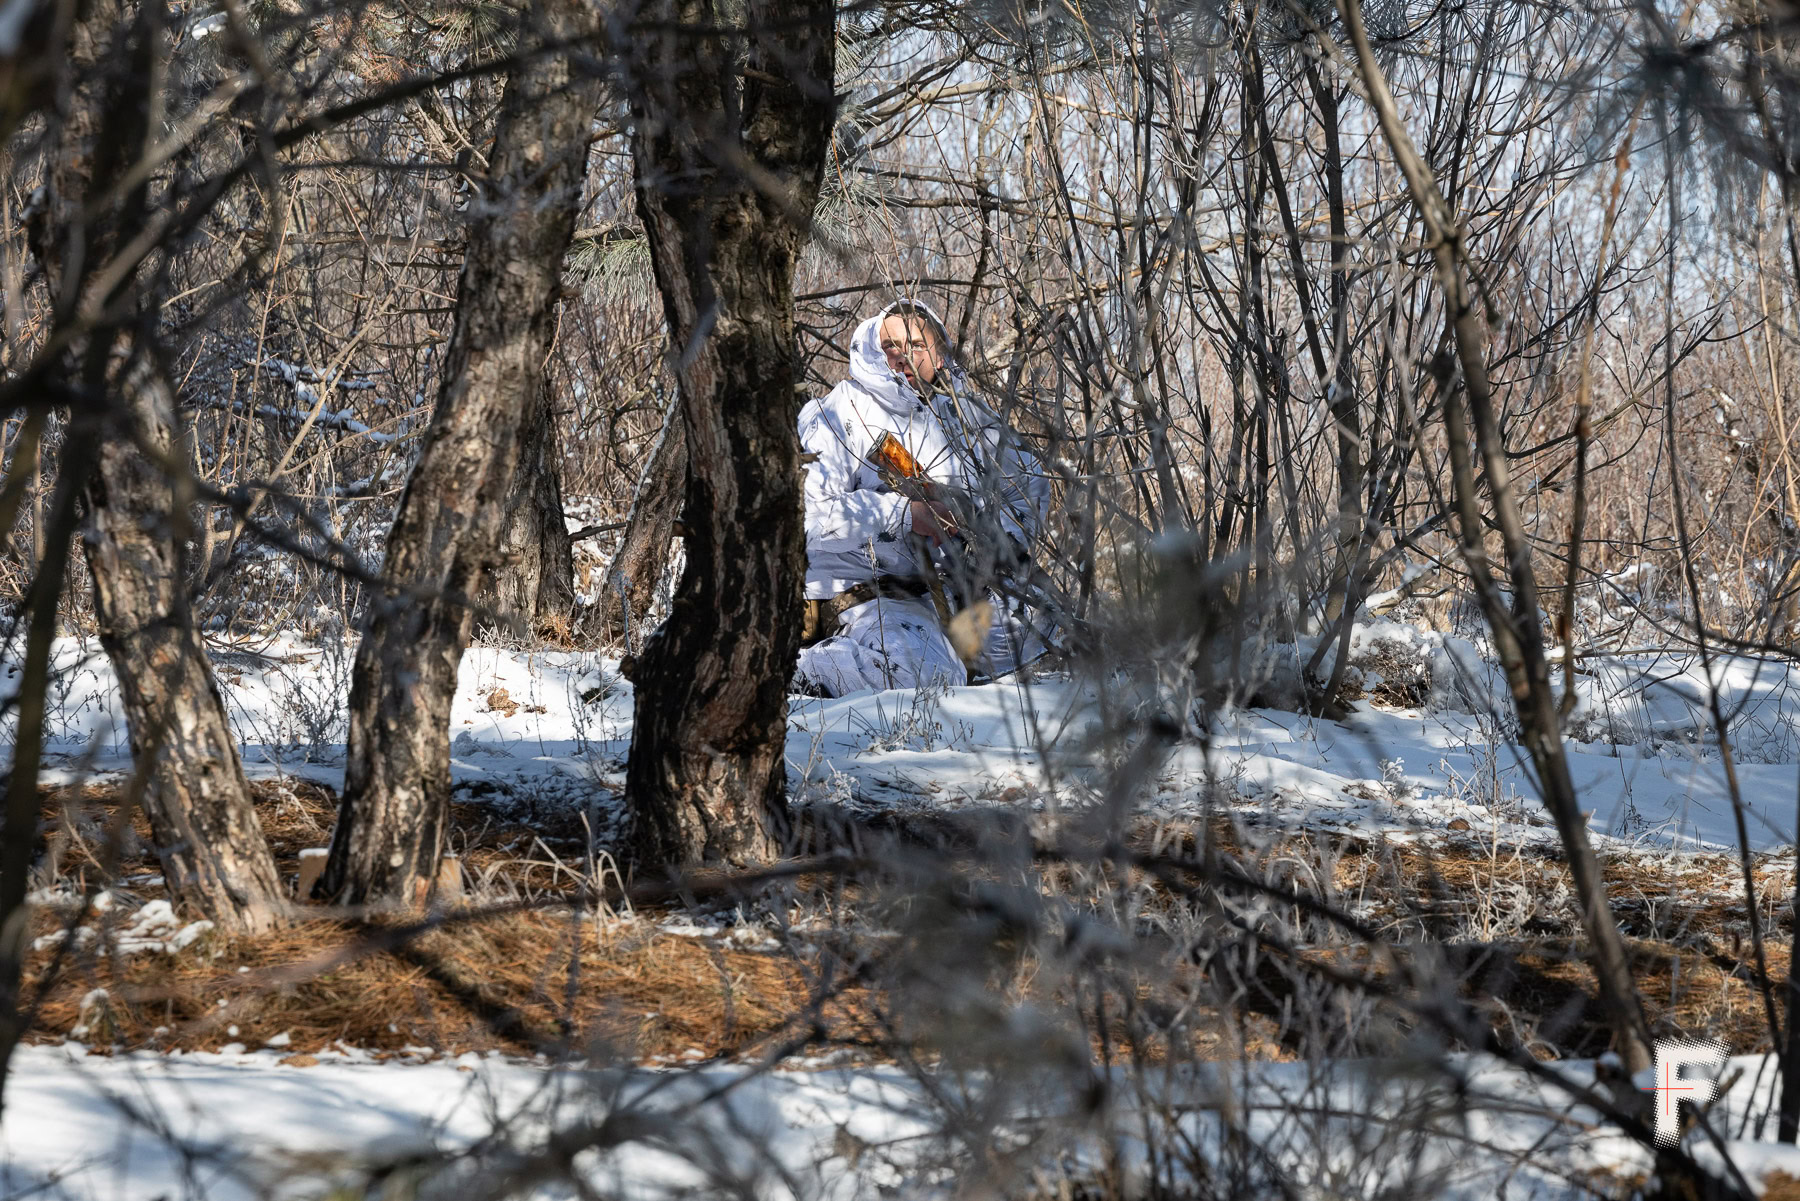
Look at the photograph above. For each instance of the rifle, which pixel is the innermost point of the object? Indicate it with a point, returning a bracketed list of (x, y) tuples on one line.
[(902, 473), (1017, 578), (899, 470)]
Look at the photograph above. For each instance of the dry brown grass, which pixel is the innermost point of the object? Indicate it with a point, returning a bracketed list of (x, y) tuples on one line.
[(1779, 1186), (522, 983), (546, 980), (297, 815), (538, 980), (1684, 917)]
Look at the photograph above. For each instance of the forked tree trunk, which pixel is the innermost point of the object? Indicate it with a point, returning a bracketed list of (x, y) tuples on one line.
[(533, 584), (198, 803), (631, 578), (447, 535), (728, 153)]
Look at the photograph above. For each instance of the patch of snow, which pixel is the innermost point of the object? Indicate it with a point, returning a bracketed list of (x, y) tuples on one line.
[(152, 928), (207, 26), (1641, 750), (231, 1125)]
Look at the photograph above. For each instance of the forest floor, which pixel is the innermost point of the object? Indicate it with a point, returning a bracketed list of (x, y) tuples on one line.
[(1415, 815), (676, 982)]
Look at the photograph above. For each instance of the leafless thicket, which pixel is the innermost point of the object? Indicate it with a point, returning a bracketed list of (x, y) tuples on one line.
[(331, 323)]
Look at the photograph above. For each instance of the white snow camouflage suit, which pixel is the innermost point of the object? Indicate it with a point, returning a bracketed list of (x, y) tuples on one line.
[(856, 527)]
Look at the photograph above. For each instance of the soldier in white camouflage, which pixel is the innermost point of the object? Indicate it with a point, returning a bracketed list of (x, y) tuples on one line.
[(881, 556)]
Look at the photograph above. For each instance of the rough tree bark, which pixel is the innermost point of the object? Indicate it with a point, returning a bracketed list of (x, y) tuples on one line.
[(643, 555), (533, 585), (137, 498), (730, 131), (198, 802), (447, 535)]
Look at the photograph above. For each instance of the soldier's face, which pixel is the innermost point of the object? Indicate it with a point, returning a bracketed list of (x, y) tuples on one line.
[(911, 350)]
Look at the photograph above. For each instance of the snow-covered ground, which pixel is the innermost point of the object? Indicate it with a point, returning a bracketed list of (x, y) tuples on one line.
[(223, 1127), (555, 726)]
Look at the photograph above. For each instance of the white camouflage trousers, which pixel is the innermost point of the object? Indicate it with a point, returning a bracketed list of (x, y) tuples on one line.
[(897, 643)]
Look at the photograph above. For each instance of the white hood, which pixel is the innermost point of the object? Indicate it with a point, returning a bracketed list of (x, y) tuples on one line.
[(869, 366)]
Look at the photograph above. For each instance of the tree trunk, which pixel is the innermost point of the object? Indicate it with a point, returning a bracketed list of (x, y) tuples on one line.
[(533, 586), (198, 803), (728, 154), (18, 835), (643, 556), (447, 535)]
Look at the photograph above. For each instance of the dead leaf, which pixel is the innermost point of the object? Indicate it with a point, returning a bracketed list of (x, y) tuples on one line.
[(969, 629)]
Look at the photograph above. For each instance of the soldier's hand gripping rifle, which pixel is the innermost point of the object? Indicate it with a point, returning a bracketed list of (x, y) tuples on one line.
[(1003, 566), (984, 554), (903, 473)]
